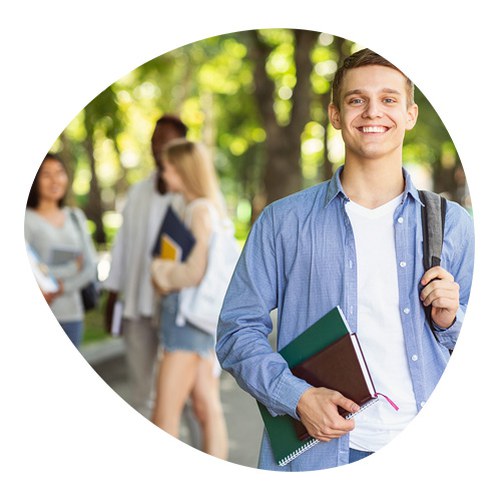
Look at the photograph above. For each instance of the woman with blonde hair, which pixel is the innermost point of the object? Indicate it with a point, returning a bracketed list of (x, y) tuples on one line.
[(188, 364)]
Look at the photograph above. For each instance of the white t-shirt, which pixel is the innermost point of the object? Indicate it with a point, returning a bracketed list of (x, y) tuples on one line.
[(380, 329)]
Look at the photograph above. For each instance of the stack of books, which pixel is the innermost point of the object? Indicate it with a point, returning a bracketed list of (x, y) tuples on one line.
[(328, 355)]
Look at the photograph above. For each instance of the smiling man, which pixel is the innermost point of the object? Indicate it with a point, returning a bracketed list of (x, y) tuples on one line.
[(354, 241)]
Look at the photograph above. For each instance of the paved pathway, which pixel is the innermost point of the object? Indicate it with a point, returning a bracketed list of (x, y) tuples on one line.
[(241, 412)]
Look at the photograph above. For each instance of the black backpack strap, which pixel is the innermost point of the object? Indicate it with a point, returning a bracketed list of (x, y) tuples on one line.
[(433, 221)]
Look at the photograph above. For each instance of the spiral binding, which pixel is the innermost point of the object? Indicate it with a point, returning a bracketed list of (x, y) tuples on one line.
[(303, 448), (313, 441), (362, 408)]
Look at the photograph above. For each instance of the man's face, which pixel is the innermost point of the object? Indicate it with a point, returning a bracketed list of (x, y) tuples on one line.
[(374, 114), (163, 134)]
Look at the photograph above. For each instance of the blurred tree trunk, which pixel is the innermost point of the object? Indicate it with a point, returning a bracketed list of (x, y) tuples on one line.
[(68, 158), (94, 209), (340, 47), (101, 113), (282, 174)]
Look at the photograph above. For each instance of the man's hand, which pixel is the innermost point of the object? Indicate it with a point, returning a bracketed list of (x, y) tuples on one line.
[(318, 412), (442, 292)]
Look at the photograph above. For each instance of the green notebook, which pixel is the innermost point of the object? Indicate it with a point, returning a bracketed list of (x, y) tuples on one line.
[(285, 444)]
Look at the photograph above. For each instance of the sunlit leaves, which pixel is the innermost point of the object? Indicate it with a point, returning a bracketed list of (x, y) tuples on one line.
[(211, 84)]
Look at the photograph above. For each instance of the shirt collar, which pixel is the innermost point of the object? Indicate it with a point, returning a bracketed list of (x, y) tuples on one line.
[(335, 187), (410, 188)]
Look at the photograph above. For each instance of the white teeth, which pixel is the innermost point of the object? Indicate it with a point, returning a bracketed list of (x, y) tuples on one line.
[(373, 129)]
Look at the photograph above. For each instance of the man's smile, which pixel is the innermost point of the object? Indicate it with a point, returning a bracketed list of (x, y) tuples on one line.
[(371, 129)]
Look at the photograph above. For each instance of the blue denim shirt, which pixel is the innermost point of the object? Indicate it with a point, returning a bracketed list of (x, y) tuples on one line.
[(300, 258)]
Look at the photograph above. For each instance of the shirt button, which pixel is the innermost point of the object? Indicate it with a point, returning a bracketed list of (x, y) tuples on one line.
[(400, 220), (402, 264), (422, 403), (414, 358), (406, 311)]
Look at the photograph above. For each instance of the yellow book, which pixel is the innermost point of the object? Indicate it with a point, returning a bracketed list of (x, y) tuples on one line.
[(170, 249)]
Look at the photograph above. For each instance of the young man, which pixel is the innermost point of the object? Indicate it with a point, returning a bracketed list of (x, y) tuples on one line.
[(355, 241), (130, 276)]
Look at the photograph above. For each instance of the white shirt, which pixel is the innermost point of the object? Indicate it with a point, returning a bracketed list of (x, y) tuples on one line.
[(380, 329), (131, 257)]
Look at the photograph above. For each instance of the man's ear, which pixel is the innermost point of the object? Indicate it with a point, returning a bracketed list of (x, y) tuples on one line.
[(411, 117), (334, 116)]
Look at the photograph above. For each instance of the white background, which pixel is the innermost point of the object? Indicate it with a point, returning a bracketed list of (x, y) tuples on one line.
[(63, 433)]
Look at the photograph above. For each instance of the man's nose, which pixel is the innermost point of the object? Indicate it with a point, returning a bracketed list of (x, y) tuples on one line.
[(373, 109)]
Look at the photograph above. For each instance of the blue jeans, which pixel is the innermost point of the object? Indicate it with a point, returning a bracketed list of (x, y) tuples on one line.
[(355, 455), (74, 330)]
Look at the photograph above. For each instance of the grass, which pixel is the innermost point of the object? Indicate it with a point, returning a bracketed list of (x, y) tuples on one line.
[(94, 323)]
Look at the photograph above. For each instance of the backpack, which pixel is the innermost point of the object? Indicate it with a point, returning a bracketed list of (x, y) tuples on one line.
[(433, 221), (200, 305)]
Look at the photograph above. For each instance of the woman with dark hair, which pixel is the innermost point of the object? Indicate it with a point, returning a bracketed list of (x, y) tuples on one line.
[(59, 236)]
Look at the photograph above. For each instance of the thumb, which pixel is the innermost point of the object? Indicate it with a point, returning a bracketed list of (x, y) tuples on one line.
[(346, 403)]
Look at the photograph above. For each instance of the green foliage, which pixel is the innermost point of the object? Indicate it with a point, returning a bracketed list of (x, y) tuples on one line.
[(211, 85)]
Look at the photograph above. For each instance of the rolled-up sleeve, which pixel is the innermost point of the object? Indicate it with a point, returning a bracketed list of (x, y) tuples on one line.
[(460, 234), (245, 323)]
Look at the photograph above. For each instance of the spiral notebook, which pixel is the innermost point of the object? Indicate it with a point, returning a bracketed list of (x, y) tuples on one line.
[(315, 355), (285, 443)]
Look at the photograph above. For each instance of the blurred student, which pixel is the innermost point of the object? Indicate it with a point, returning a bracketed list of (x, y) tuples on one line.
[(187, 363), (130, 279), (58, 234)]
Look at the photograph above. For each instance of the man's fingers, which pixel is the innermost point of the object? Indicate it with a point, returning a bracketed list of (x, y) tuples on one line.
[(439, 296), (442, 293), (436, 273), (336, 429), (437, 291), (318, 410), (349, 405)]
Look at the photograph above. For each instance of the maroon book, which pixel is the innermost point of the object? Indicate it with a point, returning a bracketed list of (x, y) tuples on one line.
[(340, 366)]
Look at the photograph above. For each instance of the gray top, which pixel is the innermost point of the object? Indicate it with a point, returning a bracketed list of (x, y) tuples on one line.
[(58, 247)]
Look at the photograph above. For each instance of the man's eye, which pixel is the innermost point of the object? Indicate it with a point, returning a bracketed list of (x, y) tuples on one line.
[(356, 100)]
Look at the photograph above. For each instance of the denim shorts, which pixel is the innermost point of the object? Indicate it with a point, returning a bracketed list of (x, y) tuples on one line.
[(187, 337), (74, 330)]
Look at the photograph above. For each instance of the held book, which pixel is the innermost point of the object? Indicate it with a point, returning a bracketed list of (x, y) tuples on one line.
[(174, 240), (63, 255), (285, 443), (327, 354), (340, 366), (44, 278), (116, 320)]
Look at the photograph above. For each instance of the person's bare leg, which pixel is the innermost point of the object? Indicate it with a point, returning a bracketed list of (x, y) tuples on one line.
[(177, 373), (208, 410)]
